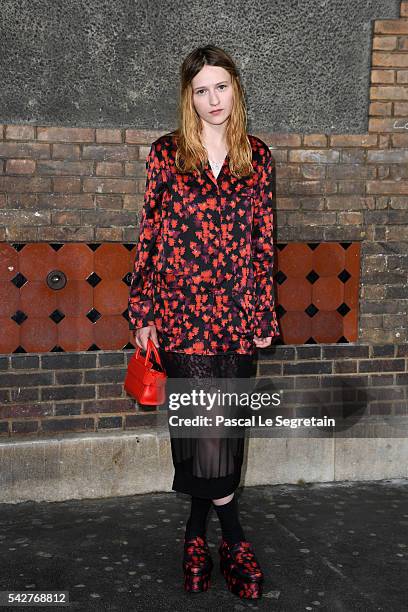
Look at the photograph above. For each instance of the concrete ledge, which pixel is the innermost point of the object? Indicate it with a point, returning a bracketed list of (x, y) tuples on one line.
[(125, 463)]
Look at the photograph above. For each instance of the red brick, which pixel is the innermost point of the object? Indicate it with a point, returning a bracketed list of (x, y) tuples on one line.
[(24, 217), (400, 141), (353, 140), (67, 217), (52, 167), (108, 135), (401, 109), (284, 140), (109, 202), (142, 136), (389, 60), (351, 187), (350, 218), (391, 187), (112, 153), (396, 232), (133, 202), (290, 203), (65, 200), (109, 169), (135, 168), (383, 125), (19, 132), (385, 43), (389, 93), (350, 171), (309, 171), (314, 156), (109, 234), (349, 202), (23, 184), (100, 185), (382, 76), (72, 185), (22, 234), (20, 166), (63, 134), (68, 152), (66, 234), (22, 200), (402, 76), (380, 108), (391, 26), (315, 140), (24, 149)]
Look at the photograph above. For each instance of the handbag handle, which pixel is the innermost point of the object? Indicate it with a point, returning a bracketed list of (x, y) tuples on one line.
[(150, 346)]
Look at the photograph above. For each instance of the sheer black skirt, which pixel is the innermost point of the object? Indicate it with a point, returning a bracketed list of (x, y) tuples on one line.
[(207, 467)]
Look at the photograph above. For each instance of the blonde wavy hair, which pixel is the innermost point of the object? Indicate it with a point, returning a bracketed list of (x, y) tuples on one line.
[(191, 154)]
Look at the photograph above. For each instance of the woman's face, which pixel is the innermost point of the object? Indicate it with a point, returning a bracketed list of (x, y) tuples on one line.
[(212, 90)]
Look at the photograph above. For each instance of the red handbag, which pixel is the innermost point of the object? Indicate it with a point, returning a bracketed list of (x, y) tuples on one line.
[(143, 382)]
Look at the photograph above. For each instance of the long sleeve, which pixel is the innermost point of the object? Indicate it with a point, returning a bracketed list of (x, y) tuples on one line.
[(141, 287), (266, 324)]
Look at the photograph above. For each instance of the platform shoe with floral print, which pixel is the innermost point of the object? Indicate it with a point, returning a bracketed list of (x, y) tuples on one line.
[(197, 564), (241, 569)]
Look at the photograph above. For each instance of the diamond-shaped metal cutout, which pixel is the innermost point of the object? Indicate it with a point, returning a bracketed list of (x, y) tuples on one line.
[(280, 310), (57, 349), (19, 280), (20, 349), (312, 277), (344, 276), (57, 316), (93, 347), (125, 314), (280, 277), (311, 310), (94, 245), (93, 315), (127, 279), (93, 279), (343, 309), (19, 317), (18, 246)]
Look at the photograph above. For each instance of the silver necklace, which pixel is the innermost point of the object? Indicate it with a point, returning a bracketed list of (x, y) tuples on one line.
[(217, 165)]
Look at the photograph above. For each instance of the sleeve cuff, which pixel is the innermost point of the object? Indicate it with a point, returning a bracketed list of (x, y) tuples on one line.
[(267, 325)]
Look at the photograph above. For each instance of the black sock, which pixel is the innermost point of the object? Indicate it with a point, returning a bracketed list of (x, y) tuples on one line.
[(231, 527), (196, 524)]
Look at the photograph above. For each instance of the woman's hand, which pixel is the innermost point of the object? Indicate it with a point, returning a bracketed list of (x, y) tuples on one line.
[(143, 334), (262, 342)]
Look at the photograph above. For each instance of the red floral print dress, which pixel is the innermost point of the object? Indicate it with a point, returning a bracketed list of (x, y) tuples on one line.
[(203, 267)]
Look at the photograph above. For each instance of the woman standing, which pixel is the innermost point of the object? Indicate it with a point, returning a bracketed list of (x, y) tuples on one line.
[(202, 288)]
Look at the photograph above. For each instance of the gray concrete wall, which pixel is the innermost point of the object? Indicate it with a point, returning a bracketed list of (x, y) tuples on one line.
[(110, 465), (304, 65)]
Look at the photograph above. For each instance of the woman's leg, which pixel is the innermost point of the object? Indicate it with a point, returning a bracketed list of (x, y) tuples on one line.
[(197, 521), (227, 511)]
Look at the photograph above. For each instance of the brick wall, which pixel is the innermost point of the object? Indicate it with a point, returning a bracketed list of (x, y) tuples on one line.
[(87, 184), (54, 393)]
